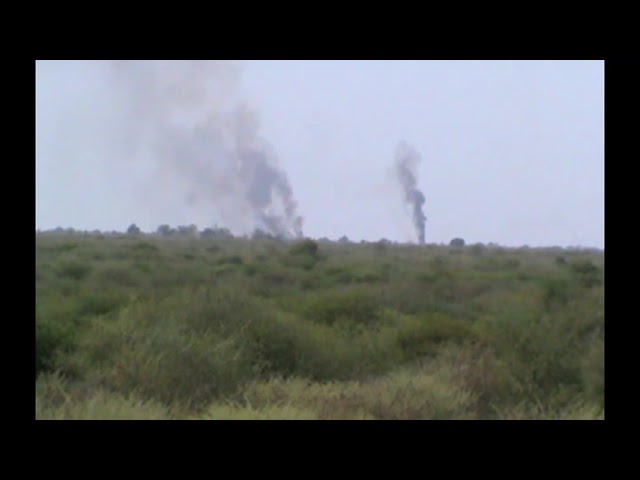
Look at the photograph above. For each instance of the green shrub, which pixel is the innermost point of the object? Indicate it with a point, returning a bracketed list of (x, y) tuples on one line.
[(593, 372), (287, 347), (341, 274), (144, 247), (52, 339), (116, 275), (73, 270), (419, 336), (587, 273), (477, 249), (457, 242), (147, 352), (306, 247), (540, 350), (305, 262), (100, 303), (475, 368), (302, 255), (557, 291), (66, 247), (355, 307)]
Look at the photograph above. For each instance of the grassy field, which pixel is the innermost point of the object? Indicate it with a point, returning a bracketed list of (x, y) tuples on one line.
[(152, 327)]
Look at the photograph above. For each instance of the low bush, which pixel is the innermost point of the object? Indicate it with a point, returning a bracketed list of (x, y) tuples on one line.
[(346, 307), (73, 270)]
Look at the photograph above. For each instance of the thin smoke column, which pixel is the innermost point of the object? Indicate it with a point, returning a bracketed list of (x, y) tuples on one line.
[(184, 115), (407, 159)]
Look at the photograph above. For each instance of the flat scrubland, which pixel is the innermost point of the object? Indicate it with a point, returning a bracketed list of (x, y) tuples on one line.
[(152, 327)]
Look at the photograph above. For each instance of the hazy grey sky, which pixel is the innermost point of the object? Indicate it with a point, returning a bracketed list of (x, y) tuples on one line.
[(511, 151)]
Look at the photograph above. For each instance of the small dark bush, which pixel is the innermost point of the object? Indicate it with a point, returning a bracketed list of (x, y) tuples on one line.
[(302, 255), (133, 229), (587, 273), (144, 247), (100, 303), (353, 307), (556, 291), (66, 247), (73, 270), (306, 247), (477, 249), (457, 242), (117, 275), (584, 267), (51, 338), (420, 336)]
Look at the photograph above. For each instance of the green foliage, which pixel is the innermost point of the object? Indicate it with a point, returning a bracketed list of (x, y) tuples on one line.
[(73, 270), (52, 339), (66, 247), (115, 275), (593, 372), (557, 291), (230, 260), (587, 273), (286, 346), (477, 249), (420, 336), (303, 255), (306, 247), (148, 352), (542, 350), (222, 328), (100, 303), (145, 247), (346, 307)]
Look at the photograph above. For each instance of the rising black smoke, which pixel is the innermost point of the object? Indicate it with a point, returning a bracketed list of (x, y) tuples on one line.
[(407, 159), (184, 116)]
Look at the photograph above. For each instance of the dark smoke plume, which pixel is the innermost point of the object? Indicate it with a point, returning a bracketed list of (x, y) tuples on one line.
[(184, 117), (407, 159)]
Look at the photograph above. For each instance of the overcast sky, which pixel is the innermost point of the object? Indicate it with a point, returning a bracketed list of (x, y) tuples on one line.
[(511, 152)]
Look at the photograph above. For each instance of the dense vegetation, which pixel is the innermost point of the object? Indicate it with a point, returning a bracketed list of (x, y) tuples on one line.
[(169, 327)]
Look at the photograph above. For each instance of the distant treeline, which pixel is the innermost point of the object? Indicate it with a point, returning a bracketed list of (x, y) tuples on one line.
[(221, 233)]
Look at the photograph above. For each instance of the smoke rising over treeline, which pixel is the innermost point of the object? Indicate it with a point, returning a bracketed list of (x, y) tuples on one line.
[(407, 159), (184, 117)]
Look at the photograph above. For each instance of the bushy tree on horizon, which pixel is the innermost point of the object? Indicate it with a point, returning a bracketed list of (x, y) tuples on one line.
[(191, 230), (217, 233), (259, 234), (165, 230), (133, 229), (457, 242)]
